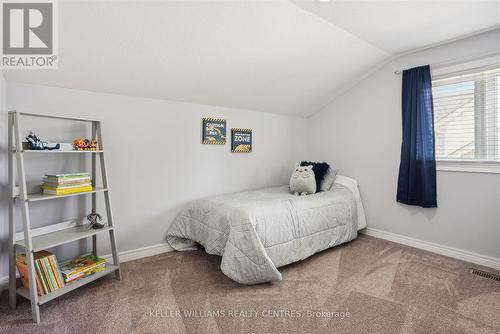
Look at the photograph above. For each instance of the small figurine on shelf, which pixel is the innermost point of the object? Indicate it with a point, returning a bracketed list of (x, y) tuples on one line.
[(37, 144), (82, 144), (79, 144), (93, 145), (92, 218)]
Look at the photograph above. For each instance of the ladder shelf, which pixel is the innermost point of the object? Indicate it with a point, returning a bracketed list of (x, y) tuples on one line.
[(31, 240)]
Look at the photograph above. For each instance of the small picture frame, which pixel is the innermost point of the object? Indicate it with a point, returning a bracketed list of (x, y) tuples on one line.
[(213, 131), (241, 140)]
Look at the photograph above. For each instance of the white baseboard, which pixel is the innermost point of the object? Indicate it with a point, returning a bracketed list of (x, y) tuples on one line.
[(456, 253), (124, 256), (140, 253)]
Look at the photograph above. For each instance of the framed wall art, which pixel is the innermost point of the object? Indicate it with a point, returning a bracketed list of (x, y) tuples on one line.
[(213, 131), (241, 140)]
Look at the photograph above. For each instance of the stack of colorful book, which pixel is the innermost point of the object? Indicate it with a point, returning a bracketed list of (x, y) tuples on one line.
[(81, 267), (47, 274), (65, 184)]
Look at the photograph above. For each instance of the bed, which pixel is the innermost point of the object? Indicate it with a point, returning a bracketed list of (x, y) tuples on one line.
[(258, 231)]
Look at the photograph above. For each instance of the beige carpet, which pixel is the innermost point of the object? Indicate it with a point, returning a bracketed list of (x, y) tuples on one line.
[(366, 286)]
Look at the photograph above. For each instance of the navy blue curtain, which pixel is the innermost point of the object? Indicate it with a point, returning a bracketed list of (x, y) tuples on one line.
[(417, 170)]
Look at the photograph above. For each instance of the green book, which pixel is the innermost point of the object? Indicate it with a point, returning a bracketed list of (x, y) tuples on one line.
[(67, 176), (41, 278), (55, 267), (52, 278), (45, 274)]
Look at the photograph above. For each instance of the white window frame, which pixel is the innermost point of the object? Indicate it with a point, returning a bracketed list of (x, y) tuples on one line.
[(469, 166)]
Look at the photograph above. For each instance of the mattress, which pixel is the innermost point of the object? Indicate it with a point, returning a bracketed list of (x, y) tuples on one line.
[(258, 231)]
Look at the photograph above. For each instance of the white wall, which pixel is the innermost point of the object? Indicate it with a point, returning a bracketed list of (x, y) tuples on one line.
[(156, 162), (360, 132), (155, 159)]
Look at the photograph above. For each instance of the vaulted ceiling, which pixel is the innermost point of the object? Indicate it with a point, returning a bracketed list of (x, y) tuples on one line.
[(399, 26), (272, 56)]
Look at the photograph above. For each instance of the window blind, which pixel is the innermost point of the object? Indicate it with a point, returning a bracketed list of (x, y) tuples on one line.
[(466, 115)]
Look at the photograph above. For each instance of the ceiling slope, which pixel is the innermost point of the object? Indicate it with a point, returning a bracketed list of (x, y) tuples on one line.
[(270, 56), (400, 26), (265, 56)]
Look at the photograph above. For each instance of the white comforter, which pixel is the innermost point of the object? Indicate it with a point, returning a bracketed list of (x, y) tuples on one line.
[(258, 231)]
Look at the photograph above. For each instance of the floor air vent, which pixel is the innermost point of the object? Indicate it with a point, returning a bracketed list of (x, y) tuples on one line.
[(484, 274)]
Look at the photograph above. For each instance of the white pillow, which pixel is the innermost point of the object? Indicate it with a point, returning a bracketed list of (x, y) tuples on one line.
[(329, 179)]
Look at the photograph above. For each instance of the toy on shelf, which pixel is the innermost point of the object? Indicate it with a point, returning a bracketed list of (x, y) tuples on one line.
[(92, 218), (36, 143), (83, 144)]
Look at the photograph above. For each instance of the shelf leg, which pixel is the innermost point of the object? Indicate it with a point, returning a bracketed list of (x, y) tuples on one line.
[(116, 262), (35, 311), (94, 176), (12, 258), (12, 277), (109, 214), (12, 225)]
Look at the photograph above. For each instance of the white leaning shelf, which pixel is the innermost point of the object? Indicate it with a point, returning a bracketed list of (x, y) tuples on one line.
[(31, 240)]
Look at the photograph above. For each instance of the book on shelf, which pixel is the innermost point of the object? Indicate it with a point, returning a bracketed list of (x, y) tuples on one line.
[(44, 274), (85, 273), (52, 268), (68, 183), (65, 184), (47, 273), (67, 176), (68, 191), (64, 187), (81, 267), (23, 273)]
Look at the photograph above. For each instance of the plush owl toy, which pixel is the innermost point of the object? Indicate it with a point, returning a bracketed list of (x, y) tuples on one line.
[(302, 181)]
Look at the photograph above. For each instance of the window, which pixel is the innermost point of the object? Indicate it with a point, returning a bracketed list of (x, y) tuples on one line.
[(467, 119)]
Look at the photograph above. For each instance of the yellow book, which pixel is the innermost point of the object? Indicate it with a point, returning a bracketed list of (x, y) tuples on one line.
[(66, 191)]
